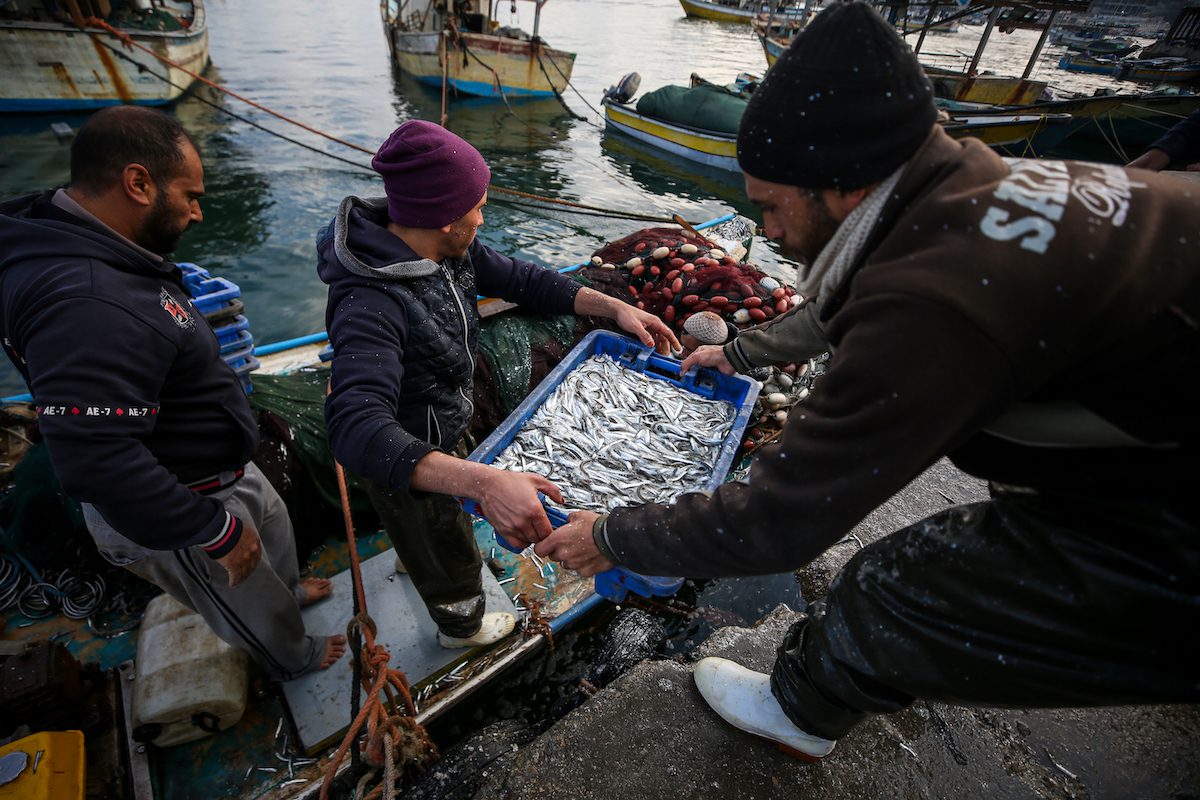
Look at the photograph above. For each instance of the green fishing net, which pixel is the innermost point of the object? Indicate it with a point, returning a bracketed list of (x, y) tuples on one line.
[(510, 342)]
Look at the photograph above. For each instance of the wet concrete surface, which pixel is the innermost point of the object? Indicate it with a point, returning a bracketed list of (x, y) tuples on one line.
[(649, 734)]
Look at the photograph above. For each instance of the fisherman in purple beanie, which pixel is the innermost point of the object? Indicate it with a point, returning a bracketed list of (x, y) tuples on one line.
[(974, 309), (404, 272)]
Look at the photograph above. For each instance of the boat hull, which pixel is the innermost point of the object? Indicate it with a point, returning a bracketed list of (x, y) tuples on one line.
[(1017, 134), (483, 65), (1088, 65), (703, 9), (710, 149), (54, 67)]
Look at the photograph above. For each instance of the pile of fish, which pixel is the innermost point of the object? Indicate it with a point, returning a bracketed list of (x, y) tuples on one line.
[(609, 436)]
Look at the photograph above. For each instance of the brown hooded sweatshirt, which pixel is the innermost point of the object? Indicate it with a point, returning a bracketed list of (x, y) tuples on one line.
[(1037, 321)]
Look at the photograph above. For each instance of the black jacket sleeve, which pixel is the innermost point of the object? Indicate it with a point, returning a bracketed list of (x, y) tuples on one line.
[(368, 367), (889, 406), (1182, 142), (97, 399), (532, 287)]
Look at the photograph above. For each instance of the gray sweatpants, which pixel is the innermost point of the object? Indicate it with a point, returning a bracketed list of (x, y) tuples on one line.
[(261, 614)]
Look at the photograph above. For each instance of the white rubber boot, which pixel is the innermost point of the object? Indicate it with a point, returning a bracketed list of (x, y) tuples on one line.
[(743, 699), (400, 568), (494, 627)]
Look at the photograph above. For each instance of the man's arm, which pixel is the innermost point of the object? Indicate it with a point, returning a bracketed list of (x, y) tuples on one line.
[(1180, 145), (545, 291), (368, 334), (651, 330), (509, 500), (96, 403), (877, 418)]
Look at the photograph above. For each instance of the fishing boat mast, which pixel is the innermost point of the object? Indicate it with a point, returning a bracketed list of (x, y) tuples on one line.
[(1028, 18)]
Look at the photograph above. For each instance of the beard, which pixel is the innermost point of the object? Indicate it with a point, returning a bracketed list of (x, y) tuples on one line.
[(159, 233), (823, 227)]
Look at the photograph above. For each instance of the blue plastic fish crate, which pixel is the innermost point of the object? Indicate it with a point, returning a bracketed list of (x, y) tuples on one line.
[(243, 363), (234, 335), (738, 390), (210, 294)]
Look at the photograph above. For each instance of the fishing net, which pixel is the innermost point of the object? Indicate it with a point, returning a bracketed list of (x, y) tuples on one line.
[(674, 274), (516, 351), (38, 520)]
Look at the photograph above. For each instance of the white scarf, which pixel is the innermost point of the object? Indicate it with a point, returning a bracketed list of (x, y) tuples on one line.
[(844, 248)]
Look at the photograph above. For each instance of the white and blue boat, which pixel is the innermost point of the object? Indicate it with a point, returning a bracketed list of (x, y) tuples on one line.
[(73, 56)]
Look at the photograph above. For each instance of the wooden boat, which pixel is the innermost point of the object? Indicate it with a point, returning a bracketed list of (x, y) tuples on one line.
[(1124, 124), (1118, 46), (711, 148), (1170, 69), (948, 83), (1092, 65), (1011, 133), (49, 62), (1023, 135), (740, 12), (465, 52)]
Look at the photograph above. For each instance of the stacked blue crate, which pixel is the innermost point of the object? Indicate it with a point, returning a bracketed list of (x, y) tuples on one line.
[(219, 301)]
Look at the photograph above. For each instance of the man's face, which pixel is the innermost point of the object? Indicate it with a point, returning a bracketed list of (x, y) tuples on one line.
[(460, 233), (800, 222), (176, 206)]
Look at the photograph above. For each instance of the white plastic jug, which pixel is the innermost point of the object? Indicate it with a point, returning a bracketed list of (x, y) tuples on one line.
[(189, 683)]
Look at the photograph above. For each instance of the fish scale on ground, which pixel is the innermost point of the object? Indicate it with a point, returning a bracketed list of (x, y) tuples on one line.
[(609, 436)]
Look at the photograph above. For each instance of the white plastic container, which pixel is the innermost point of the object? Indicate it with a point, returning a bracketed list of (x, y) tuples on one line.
[(189, 683)]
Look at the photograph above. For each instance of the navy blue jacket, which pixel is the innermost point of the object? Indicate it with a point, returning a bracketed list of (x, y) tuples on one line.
[(404, 331), (1182, 142), (132, 397)]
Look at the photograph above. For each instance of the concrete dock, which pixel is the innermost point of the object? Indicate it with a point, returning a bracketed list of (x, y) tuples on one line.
[(649, 734)]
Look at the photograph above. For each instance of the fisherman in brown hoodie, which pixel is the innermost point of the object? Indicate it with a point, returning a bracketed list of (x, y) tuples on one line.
[(1036, 321)]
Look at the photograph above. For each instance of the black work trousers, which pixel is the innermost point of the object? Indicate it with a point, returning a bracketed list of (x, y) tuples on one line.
[(1021, 602), (432, 535)]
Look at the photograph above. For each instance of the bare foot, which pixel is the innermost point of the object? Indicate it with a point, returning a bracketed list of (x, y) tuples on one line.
[(335, 648), (314, 589)]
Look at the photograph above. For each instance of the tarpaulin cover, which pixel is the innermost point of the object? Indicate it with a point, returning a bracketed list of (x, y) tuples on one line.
[(707, 107)]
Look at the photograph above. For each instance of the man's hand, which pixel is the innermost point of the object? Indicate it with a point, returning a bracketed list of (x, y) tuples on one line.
[(244, 557), (572, 545), (510, 502), (708, 355), (1153, 159), (652, 331)]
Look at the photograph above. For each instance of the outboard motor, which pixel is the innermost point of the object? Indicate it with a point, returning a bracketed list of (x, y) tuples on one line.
[(625, 89)]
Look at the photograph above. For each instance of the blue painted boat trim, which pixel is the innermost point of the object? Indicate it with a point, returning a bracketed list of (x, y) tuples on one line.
[(576, 611), (287, 344), (481, 89)]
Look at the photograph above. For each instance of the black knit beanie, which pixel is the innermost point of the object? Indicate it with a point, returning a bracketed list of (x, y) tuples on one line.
[(845, 106)]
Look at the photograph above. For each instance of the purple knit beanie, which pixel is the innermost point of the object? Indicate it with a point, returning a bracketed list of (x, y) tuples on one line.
[(431, 176)]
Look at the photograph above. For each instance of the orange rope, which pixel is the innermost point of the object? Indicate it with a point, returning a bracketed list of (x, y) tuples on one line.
[(378, 679), (93, 22)]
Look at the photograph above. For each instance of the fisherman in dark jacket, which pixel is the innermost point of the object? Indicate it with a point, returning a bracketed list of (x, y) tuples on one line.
[(1036, 321), (403, 275), (145, 424)]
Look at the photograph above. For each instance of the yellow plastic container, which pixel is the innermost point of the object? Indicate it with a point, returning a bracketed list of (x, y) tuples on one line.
[(47, 766)]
